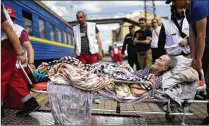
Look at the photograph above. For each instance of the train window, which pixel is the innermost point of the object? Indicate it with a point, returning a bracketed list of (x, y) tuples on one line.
[(69, 39), (42, 29), (52, 32), (59, 35), (65, 37), (28, 23)]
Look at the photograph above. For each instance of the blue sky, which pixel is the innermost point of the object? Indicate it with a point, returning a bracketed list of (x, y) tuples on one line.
[(105, 9)]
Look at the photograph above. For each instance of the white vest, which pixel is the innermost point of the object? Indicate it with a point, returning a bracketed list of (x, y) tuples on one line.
[(155, 37), (173, 37), (19, 30), (91, 33), (3, 34)]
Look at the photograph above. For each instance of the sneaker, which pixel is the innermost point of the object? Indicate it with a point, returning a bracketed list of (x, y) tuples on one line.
[(29, 106), (97, 101), (205, 121)]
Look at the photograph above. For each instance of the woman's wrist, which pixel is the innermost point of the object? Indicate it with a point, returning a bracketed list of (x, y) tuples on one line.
[(31, 63)]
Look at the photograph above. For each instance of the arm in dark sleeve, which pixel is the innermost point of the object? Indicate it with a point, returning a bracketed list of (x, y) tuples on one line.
[(124, 45), (161, 41), (24, 37), (97, 31), (149, 33)]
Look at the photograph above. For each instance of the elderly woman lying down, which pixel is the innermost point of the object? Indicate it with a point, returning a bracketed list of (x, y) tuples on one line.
[(95, 77), (152, 75)]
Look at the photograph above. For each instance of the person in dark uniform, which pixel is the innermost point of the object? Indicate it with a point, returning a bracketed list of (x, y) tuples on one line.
[(132, 56)]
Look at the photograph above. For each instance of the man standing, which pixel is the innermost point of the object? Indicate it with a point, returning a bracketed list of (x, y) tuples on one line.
[(8, 56), (142, 41), (198, 17), (88, 47), (155, 36), (174, 34), (131, 49)]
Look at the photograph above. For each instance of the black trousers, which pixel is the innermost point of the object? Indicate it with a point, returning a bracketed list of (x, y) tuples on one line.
[(132, 59), (155, 54), (205, 66), (205, 62)]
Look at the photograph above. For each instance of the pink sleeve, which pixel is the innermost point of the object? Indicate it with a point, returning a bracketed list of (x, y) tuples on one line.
[(24, 37)]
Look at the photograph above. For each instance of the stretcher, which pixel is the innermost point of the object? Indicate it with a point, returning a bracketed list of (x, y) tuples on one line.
[(169, 113)]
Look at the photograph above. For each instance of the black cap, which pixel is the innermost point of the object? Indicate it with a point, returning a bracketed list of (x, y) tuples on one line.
[(132, 26), (168, 1)]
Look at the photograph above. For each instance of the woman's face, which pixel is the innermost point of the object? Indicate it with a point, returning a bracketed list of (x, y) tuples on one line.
[(160, 64)]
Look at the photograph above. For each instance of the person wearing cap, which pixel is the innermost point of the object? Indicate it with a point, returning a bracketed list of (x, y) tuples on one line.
[(174, 34), (17, 90), (198, 16), (8, 55), (155, 36), (142, 39), (131, 49)]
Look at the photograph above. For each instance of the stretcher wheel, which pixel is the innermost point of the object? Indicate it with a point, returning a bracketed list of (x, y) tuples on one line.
[(169, 118)]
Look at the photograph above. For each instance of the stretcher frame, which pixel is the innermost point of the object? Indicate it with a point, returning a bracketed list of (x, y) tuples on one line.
[(169, 115)]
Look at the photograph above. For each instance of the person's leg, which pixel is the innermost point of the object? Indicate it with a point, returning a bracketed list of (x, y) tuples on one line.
[(92, 58), (82, 58), (148, 58), (17, 82), (14, 99), (205, 61), (155, 54), (130, 60), (205, 66), (8, 61), (135, 60), (139, 60)]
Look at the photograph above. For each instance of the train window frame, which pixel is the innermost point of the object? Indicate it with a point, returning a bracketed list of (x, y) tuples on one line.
[(54, 36), (69, 39), (44, 30), (65, 38), (59, 30), (28, 21)]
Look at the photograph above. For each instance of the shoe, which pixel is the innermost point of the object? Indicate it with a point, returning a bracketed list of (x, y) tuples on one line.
[(205, 121), (29, 106), (97, 101)]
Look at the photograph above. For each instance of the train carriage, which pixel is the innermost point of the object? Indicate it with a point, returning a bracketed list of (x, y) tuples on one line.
[(50, 35)]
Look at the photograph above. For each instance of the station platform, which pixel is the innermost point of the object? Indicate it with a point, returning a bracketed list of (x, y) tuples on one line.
[(44, 117)]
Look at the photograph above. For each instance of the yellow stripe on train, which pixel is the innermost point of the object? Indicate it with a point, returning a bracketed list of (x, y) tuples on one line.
[(49, 42)]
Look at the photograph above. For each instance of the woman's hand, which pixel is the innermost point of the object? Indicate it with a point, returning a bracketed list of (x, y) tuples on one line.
[(32, 66)]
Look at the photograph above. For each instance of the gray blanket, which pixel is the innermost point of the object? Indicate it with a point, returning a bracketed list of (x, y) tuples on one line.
[(69, 105)]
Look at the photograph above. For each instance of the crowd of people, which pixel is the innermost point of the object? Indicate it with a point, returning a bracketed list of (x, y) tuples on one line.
[(185, 33)]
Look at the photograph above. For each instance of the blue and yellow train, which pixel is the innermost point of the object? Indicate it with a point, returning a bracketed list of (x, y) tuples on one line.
[(50, 35)]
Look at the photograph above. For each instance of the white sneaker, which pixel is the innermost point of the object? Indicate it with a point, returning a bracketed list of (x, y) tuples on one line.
[(96, 101)]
